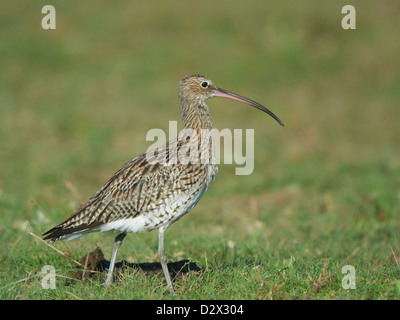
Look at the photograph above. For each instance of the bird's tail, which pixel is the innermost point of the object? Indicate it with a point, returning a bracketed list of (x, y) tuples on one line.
[(73, 227)]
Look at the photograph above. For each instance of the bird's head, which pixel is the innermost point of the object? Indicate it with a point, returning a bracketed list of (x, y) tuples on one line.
[(195, 87)]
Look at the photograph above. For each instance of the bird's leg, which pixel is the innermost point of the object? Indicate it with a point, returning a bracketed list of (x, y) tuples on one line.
[(117, 244), (163, 258)]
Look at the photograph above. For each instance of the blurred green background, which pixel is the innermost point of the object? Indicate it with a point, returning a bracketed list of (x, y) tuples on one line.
[(76, 103)]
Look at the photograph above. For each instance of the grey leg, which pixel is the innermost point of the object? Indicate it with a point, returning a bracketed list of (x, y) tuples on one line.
[(163, 258), (117, 244)]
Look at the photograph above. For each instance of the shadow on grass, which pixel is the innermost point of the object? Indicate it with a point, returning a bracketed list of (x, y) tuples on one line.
[(95, 267)]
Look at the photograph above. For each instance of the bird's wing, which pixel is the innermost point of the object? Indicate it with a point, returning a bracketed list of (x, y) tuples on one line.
[(139, 186)]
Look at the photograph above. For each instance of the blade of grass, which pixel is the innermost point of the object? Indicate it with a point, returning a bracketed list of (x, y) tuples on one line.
[(66, 255)]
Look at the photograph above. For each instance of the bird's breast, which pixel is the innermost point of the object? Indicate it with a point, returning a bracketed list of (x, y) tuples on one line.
[(181, 201)]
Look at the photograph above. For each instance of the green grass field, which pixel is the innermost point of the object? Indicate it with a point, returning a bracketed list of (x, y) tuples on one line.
[(76, 103)]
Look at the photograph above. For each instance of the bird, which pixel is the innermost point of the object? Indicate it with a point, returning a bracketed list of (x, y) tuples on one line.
[(158, 187)]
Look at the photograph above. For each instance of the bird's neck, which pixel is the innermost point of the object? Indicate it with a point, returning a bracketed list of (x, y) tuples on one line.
[(195, 115)]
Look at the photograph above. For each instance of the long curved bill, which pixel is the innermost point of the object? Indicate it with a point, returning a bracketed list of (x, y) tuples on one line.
[(226, 94)]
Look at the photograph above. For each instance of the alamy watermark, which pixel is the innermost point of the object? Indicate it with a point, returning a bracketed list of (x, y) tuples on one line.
[(349, 20), (202, 146), (49, 20), (48, 273), (349, 280)]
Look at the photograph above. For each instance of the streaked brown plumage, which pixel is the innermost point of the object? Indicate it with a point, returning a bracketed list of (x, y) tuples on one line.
[(155, 189)]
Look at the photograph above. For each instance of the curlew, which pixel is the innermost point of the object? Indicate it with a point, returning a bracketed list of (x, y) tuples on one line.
[(147, 194)]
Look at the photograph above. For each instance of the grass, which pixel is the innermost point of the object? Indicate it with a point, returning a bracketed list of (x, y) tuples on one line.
[(77, 102)]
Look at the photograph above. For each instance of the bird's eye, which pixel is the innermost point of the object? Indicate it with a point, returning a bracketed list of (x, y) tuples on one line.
[(204, 84)]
